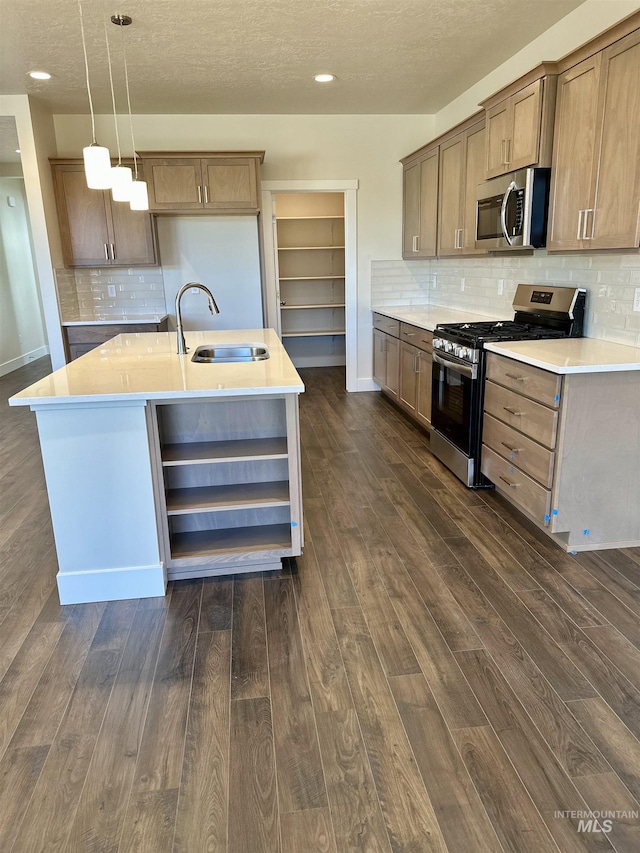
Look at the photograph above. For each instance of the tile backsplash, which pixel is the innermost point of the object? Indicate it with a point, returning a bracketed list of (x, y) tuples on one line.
[(486, 285), (84, 294)]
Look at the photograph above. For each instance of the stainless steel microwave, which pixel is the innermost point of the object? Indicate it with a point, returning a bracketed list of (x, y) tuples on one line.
[(511, 211)]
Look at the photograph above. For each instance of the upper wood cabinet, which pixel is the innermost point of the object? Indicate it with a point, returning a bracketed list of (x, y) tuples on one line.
[(95, 230), (595, 189), (420, 205), (520, 124), (461, 170), (203, 182)]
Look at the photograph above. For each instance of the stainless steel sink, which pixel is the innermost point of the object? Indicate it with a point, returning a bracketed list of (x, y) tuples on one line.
[(219, 354)]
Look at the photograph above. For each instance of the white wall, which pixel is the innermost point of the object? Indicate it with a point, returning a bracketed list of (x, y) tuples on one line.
[(220, 252), (22, 335), (37, 143)]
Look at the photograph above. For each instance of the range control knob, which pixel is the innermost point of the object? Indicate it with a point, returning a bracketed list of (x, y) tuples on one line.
[(462, 352), (448, 346), (437, 343)]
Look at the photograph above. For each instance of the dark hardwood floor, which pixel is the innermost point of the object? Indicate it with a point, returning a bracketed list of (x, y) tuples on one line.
[(432, 675)]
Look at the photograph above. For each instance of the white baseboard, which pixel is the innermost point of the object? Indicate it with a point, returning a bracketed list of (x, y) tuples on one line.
[(21, 360), (365, 385), (111, 584)]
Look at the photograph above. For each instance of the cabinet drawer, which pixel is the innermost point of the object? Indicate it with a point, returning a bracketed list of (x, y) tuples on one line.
[(540, 385), (517, 486), (386, 324), (527, 416), (416, 336), (528, 455), (101, 334)]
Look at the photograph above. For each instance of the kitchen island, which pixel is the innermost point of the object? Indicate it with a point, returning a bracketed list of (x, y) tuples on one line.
[(159, 468)]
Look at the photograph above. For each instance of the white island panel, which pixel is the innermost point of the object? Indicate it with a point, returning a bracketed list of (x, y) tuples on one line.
[(99, 482)]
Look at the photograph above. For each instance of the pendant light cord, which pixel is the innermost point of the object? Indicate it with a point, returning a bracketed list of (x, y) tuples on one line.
[(126, 79), (113, 95), (86, 69)]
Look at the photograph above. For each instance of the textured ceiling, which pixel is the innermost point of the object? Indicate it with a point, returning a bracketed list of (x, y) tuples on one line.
[(8, 140), (244, 56)]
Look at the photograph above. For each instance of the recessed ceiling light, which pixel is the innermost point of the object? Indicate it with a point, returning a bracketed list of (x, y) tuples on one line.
[(324, 78), (40, 75)]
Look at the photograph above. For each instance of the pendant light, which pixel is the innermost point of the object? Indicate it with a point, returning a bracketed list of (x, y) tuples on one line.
[(97, 160), (121, 176), (139, 196)]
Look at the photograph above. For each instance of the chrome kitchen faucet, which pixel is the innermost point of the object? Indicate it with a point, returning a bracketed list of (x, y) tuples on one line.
[(182, 347)]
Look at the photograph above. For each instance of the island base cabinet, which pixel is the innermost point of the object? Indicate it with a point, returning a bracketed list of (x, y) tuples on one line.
[(228, 495), (106, 539)]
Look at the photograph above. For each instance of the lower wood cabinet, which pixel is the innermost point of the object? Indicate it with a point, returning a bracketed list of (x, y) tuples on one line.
[(565, 450), (79, 340), (402, 358)]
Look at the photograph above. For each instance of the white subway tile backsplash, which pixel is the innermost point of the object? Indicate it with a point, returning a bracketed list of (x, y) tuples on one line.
[(610, 281), (83, 294)]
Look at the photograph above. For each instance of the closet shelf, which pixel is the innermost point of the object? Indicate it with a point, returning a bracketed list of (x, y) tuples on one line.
[(310, 277), (307, 248), (294, 218), (313, 333), (313, 305)]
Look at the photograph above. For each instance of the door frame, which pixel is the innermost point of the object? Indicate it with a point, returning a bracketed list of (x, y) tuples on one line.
[(272, 314)]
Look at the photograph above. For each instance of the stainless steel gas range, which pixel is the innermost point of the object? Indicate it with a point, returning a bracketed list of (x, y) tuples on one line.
[(457, 392)]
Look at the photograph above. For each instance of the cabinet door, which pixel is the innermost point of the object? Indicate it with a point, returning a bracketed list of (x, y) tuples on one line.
[(230, 184), (392, 346), (615, 221), (523, 140), (132, 236), (572, 178), (428, 233), (83, 216), (498, 129), (174, 184), (474, 175), (452, 164), (411, 210), (423, 403), (408, 392), (379, 358)]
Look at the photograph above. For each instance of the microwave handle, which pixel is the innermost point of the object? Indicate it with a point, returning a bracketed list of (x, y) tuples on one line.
[(503, 211)]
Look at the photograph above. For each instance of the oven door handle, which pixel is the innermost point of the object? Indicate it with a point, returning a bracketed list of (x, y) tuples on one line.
[(503, 211), (470, 370)]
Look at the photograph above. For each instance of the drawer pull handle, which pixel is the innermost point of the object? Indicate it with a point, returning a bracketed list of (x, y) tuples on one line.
[(508, 482), (512, 411), (517, 378), (409, 334), (511, 449)]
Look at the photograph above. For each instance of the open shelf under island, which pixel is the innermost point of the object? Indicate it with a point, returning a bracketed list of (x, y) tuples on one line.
[(159, 468)]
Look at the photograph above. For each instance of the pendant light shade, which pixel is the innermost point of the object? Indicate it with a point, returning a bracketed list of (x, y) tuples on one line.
[(121, 181), (139, 199), (97, 160), (97, 167)]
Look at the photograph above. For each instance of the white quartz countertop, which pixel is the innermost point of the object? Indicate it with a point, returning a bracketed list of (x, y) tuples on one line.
[(428, 316), (126, 319), (145, 366), (571, 355)]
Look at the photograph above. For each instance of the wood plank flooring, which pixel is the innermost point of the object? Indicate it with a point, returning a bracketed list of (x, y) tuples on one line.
[(432, 675)]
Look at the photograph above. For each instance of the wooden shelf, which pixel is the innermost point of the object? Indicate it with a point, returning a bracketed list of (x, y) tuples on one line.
[(227, 497), (310, 277), (316, 305), (307, 248), (314, 333), (274, 538), (239, 450), (293, 218)]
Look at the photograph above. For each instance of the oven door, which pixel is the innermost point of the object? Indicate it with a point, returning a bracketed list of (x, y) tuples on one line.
[(454, 392)]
